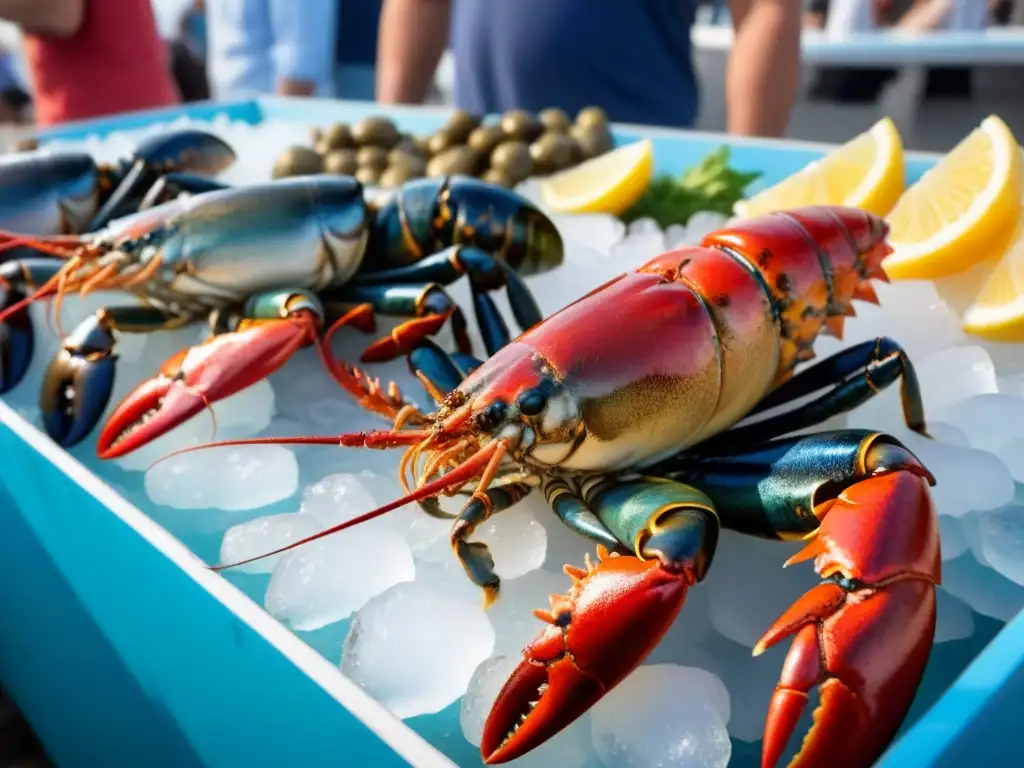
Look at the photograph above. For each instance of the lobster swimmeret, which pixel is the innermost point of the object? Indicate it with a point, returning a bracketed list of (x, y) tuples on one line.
[(622, 408)]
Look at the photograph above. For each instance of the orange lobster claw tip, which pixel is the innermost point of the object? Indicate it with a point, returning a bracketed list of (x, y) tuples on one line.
[(153, 409), (865, 643), (194, 378), (613, 617)]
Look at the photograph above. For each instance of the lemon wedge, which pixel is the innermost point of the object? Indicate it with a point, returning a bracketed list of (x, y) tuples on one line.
[(997, 312), (609, 183), (962, 211), (865, 172)]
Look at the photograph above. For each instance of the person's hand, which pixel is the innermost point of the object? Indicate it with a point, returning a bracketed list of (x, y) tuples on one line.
[(813, 20), (289, 87)]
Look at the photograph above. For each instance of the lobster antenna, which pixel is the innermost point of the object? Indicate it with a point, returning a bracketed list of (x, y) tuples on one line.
[(46, 289), (379, 439), (461, 474)]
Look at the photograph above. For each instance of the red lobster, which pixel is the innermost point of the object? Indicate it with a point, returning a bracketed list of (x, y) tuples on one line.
[(622, 407)]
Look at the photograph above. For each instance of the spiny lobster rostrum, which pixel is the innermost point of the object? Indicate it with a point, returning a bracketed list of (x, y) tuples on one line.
[(274, 267), (625, 409)]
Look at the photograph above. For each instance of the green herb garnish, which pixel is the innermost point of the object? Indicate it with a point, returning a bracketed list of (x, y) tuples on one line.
[(709, 186)]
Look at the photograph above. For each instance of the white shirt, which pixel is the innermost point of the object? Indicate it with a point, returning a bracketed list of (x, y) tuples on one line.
[(253, 44)]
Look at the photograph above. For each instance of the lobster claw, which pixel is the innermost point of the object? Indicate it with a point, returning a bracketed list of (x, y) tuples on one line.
[(612, 618), (864, 639), (199, 376), (17, 340)]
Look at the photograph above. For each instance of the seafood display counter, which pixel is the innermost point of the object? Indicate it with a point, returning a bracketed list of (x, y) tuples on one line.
[(122, 647)]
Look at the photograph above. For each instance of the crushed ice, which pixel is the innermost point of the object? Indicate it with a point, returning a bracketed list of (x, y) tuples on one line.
[(418, 639)]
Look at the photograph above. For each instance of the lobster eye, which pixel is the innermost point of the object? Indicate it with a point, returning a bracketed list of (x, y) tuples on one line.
[(532, 402), (492, 417)]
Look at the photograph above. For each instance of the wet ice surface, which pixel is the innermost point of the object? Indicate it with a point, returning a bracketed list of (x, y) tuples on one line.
[(389, 601)]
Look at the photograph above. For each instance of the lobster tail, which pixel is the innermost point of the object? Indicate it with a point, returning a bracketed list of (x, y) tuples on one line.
[(814, 262), (426, 216)]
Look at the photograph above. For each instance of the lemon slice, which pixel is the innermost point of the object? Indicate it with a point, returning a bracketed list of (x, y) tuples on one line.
[(997, 312), (609, 183), (865, 172), (962, 211)]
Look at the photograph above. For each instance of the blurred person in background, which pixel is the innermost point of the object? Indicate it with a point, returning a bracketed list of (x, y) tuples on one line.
[(14, 99), (630, 57), (262, 47), (89, 58), (949, 15), (188, 53), (356, 49)]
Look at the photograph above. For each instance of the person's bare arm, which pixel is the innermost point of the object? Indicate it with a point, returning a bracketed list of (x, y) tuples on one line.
[(413, 35), (61, 18), (763, 72), (924, 16)]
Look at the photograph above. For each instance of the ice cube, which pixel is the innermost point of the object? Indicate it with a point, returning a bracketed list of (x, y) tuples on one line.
[(967, 480), (327, 580), (682, 644), (597, 231), (636, 249), (750, 681), (517, 541), (226, 478), (703, 223), (987, 592), (580, 273), (1012, 454), (340, 497), (954, 619), (741, 562), (512, 613), (954, 542), (661, 714), (675, 236), (1002, 539), (264, 534), (415, 649), (948, 434), (567, 749), (643, 226), (952, 375), (912, 313), (450, 578), (990, 421)]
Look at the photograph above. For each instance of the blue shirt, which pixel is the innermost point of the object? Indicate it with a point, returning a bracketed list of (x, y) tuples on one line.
[(358, 25), (252, 44), (631, 57)]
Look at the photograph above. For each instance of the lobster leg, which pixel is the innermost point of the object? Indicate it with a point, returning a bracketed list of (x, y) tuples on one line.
[(855, 375), (20, 278), (865, 633), (614, 613), (241, 352), (429, 306), (474, 556), (78, 383), (191, 151), (485, 273), (172, 185), (439, 371)]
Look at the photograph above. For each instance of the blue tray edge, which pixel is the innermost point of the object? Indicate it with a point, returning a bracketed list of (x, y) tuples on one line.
[(374, 716)]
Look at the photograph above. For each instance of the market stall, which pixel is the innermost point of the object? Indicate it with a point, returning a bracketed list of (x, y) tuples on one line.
[(124, 648)]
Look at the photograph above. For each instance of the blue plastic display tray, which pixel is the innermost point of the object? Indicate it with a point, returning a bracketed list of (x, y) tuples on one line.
[(124, 650)]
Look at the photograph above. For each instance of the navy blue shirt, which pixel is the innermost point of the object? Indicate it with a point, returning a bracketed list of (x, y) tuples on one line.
[(358, 24), (631, 57)]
